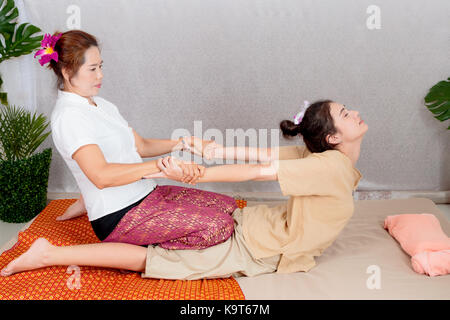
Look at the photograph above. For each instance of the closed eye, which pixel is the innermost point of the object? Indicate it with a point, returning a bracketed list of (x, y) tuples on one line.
[(101, 66)]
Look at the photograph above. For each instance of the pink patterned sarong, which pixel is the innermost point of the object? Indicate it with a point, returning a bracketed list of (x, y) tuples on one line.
[(177, 218)]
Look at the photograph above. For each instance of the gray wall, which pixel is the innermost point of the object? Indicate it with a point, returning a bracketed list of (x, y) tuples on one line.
[(249, 64)]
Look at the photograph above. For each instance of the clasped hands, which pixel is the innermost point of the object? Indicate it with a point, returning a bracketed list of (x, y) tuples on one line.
[(184, 171), (204, 148)]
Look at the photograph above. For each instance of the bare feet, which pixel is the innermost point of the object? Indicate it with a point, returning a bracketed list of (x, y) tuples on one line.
[(33, 258), (75, 210)]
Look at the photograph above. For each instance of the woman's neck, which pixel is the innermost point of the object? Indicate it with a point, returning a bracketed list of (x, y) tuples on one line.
[(89, 99), (352, 151)]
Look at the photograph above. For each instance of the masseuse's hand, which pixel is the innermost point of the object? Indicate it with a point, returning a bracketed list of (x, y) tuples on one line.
[(191, 171), (203, 148), (178, 170), (210, 151)]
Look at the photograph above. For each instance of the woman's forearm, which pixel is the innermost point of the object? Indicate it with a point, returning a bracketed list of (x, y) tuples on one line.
[(157, 147), (243, 153), (118, 174), (239, 172)]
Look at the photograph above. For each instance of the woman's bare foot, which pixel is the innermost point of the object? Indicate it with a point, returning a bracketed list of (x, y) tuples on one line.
[(75, 210), (33, 258)]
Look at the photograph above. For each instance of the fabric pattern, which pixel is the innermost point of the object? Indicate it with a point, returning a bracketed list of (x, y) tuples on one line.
[(177, 218), (60, 282)]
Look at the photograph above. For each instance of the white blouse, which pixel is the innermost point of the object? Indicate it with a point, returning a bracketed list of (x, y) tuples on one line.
[(76, 123)]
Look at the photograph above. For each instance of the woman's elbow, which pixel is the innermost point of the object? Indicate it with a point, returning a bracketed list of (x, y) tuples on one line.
[(100, 184), (100, 181)]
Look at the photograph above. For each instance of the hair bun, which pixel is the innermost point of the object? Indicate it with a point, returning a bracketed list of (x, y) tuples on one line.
[(289, 128)]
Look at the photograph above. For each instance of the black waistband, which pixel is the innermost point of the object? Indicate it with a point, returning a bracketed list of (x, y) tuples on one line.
[(105, 225)]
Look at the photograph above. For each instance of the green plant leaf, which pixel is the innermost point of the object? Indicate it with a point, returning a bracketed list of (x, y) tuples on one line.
[(15, 42), (8, 13), (21, 133), (22, 43), (24, 187), (3, 98), (438, 100)]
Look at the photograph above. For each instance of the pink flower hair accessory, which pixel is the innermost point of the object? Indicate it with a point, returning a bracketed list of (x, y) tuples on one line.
[(299, 116), (48, 52)]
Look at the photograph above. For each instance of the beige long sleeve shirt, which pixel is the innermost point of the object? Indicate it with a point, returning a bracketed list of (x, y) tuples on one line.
[(320, 186)]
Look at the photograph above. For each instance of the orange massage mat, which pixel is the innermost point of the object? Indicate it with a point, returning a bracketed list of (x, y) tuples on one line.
[(93, 283)]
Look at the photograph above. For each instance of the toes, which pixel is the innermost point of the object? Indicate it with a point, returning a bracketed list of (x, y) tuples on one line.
[(5, 272)]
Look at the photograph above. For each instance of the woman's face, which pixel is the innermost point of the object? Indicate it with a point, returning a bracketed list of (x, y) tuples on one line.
[(87, 81), (349, 124)]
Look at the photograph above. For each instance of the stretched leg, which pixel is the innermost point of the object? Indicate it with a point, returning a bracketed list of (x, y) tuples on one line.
[(231, 257), (110, 255)]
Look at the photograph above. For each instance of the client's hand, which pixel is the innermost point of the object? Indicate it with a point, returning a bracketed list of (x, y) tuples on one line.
[(192, 172), (210, 150), (203, 148)]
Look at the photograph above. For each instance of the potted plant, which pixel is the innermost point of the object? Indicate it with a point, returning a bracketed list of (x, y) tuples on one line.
[(23, 176), (17, 39), (438, 100)]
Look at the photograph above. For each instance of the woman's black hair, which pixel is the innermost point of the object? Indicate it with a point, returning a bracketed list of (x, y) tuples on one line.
[(316, 125)]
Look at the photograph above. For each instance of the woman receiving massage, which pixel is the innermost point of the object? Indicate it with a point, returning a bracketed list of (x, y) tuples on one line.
[(183, 233)]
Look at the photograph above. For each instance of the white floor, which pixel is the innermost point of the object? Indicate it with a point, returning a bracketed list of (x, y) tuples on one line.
[(8, 230)]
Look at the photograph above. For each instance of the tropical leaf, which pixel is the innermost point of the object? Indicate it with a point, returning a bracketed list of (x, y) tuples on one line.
[(8, 13), (21, 133), (3, 95), (438, 100), (23, 42), (16, 42)]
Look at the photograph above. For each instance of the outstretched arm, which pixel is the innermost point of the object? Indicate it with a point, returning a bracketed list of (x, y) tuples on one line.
[(212, 150), (241, 172), (226, 173), (242, 153), (209, 149)]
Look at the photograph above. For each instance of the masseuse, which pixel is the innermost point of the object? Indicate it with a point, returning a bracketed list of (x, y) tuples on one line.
[(104, 154)]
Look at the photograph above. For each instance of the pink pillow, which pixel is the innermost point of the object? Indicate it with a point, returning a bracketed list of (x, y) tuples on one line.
[(421, 236)]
